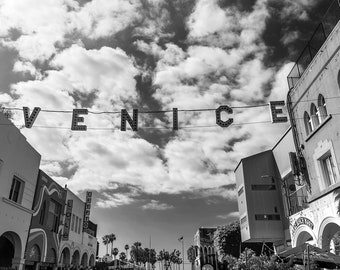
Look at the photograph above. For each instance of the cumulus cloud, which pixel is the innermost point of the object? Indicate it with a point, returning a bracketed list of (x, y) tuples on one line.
[(114, 200), (231, 215), (156, 205), (221, 63)]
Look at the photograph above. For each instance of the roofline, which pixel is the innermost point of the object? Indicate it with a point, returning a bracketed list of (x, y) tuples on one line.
[(282, 137), (251, 156)]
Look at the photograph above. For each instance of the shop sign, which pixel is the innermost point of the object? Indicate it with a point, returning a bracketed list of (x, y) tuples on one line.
[(78, 120), (87, 210), (67, 220), (302, 221)]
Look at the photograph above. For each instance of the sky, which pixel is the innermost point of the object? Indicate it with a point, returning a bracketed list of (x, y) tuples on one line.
[(151, 55)]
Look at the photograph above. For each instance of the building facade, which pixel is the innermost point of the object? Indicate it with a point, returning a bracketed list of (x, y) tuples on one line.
[(313, 105), (19, 166), (78, 246), (42, 250), (206, 256)]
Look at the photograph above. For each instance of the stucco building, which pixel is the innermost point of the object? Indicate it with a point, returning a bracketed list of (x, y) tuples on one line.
[(19, 166), (78, 243), (262, 187), (206, 257), (313, 104), (42, 249)]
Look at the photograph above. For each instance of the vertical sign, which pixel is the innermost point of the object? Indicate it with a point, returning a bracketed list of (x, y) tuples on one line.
[(67, 220), (87, 210)]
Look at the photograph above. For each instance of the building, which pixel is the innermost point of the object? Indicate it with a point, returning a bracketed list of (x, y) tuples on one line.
[(313, 106), (78, 242), (19, 167), (262, 189), (45, 230), (206, 257)]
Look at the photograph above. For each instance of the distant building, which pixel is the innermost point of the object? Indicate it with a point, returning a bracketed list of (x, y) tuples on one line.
[(42, 249), (78, 243), (206, 257), (19, 166)]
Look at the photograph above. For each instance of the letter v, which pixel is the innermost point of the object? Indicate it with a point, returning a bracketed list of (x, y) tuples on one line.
[(29, 119)]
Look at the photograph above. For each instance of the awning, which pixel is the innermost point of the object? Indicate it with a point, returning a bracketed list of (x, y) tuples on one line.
[(298, 255)]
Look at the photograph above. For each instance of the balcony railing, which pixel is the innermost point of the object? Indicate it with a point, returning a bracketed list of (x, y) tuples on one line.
[(325, 27), (297, 200)]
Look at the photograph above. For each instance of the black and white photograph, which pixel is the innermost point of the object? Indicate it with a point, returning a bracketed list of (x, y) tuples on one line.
[(169, 134)]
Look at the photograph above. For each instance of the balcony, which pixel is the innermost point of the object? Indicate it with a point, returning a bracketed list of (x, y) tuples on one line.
[(322, 31), (297, 200)]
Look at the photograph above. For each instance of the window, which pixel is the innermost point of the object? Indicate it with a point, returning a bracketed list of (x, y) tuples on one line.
[(53, 216), (72, 226), (308, 123), (328, 169), (79, 230), (315, 114), (240, 191), (42, 213), (16, 190), (263, 187), (267, 217), (322, 107), (76, 225)]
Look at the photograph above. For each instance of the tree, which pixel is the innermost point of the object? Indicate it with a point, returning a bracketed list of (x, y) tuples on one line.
[(249, 261), (126, 247), (191, 253), (227, 240), (122, 256), (136, 252), (112, 238), (115, 252), (106, 241)]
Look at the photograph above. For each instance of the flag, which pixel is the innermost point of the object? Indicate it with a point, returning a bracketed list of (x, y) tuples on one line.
[(180, 239)]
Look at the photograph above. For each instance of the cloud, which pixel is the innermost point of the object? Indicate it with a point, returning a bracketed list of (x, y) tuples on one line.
[(156, 205), (231, 215), (114, 200), (217, 63)]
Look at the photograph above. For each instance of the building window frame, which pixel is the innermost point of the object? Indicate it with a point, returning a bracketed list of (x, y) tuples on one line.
[(53, 218), (326, 163), (322, 108), (17, 190), (315, 116), (308, 123)]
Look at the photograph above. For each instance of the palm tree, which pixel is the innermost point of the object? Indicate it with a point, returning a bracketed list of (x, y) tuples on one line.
[(115, 252), (106, 241), (136, 252), (191, 256), (112, 238), (126, 250), (122, 256)]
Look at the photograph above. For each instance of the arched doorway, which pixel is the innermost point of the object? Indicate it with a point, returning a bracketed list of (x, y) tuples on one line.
[(75, 258), (304, 234), (65, 256), (10, 248), (84, 259), (33, 257), (91, 263), (329, 235)]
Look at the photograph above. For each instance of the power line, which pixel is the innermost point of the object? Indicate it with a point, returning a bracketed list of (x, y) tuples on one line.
[(250, 106)]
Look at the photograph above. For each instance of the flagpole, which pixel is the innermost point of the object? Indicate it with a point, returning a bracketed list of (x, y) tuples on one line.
[(183, 252)]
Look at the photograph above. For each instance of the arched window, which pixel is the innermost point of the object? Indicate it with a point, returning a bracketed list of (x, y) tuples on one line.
[(308, 123), (322, 107), (315, 115)]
